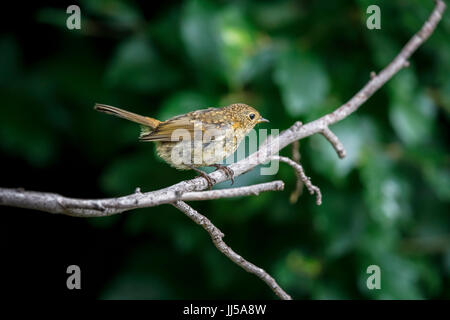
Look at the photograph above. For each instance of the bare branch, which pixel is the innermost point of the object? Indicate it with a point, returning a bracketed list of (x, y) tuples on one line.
[(296, 156), (293, 198), (217, 238), (55, 203), (254, 190), (334, 140), (58, 204), (301, 173)]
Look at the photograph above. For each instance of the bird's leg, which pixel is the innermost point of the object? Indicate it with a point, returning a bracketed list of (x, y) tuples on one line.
[(229, 172), (208, 179)]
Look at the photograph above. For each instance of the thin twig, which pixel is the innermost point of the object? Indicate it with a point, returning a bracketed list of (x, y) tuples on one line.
[(301, 173), (254, 190), (334, 140), (216, 237), (293, 198)]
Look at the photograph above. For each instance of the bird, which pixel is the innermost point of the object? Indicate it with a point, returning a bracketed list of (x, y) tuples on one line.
[(200, 138)]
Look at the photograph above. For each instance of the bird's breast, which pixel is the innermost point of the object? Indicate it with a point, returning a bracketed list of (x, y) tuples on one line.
[(199, 153)]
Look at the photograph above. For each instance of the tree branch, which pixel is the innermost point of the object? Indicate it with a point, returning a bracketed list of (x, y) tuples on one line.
[(269, 147), (216, 237), (55, 203), (301, 174), (268, 150), (299, 185), (334, 140)]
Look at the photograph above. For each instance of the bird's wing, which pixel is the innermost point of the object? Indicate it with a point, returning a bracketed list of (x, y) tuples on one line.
[(176, 126), (188, 126)]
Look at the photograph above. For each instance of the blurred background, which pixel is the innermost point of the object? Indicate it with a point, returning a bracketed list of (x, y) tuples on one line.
[(385, 204)]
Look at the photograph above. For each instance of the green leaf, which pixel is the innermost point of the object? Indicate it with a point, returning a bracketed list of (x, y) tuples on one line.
[(400, 277), (445, 92), (238, 40), (276, 14), (201, 36), (413, 119), (256, 65), (183, 102), (28, 136), (137, 66), (124, 174), (9, 63), (386, 192), (439, 179), (52, 16), (122, 13), (303, 82)]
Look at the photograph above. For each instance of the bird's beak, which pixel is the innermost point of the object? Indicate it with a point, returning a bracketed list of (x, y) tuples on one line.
[(263, 120)]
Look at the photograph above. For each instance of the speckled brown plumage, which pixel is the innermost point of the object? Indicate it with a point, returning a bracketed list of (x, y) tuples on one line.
[(198, 138)]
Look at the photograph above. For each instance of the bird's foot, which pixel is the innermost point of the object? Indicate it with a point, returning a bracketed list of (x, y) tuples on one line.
[(208, 179), (228, 171)]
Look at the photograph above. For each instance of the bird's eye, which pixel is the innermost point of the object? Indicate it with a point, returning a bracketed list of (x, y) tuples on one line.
[(251, 116)]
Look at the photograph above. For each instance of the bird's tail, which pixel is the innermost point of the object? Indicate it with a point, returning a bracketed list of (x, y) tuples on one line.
[(145, 121)]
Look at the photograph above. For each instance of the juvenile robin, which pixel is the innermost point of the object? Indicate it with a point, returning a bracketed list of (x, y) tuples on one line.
[(201, 138)]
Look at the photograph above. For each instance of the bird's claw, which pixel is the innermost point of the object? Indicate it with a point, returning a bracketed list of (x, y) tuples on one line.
[(204, 175), (210, 181), (228, 171)]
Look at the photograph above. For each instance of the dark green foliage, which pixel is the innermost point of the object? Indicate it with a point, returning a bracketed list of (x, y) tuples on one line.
[(386, 203)]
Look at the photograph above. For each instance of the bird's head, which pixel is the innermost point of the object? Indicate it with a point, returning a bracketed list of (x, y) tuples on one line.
[(244, 116)]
